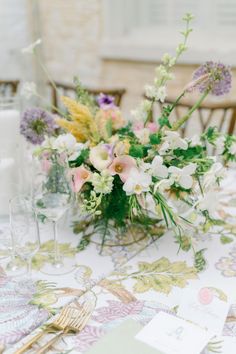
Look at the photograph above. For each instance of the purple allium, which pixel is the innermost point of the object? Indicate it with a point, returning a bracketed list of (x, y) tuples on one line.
[(35, 124), (106, 101), (219, 78)]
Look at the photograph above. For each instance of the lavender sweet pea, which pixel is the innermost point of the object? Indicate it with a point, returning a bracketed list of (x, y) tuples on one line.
[(36, 124), (106, 101), (219, 78)]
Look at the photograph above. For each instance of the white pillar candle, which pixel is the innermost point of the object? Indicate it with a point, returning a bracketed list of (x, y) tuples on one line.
[(7, 183), (9, 155)]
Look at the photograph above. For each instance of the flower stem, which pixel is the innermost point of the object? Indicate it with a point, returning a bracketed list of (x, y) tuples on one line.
[(181, 121)]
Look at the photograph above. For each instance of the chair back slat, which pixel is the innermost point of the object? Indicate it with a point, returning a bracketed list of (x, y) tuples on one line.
[(220, 114), (8, 87), (70, 90)]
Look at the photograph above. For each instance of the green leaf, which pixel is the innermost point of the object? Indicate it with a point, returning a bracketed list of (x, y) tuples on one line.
[(80, 159), (136, 151), (225, 239), (200, 261), (109, 128), (162, 275), (155, 138)]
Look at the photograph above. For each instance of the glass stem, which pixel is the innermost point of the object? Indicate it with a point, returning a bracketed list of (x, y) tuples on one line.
[(55, 237), (29, 267)]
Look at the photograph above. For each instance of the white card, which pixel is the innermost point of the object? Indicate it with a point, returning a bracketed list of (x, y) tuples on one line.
[(228, 346), (205, 307), (172, 335)]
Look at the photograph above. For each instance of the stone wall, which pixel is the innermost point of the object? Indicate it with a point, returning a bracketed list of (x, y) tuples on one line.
[(72, 33)]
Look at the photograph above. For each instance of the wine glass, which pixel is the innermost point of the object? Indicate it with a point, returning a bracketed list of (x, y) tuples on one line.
[(13, 266), (24, 229), (51, 199)]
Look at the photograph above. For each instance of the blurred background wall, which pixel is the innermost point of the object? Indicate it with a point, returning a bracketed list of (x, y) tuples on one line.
[(115, 42)]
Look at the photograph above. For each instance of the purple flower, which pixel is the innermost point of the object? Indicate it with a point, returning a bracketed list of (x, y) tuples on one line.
[(106, 101), (35, 124), (219, 78)]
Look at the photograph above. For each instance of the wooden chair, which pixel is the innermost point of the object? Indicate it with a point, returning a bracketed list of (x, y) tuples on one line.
[(8, 87), (70, 90), (211, 113)]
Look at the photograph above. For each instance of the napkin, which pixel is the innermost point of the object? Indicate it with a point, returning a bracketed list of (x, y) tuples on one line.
[(121, 341)]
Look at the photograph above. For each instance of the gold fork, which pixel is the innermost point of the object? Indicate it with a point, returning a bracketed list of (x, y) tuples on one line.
[(77, 322), (58, 324)]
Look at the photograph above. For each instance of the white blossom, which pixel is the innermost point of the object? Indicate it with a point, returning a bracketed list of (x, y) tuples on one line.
[(209, 202), (65, 143), (103, 182), (220, 145), (154, 92), (100, 156), (172, 141), (143, 135), (232, 149), (183, 176), (216, 172), (28, 90), (30, 49), (137, 182), (141, 113), (158, 169), (195, 140)]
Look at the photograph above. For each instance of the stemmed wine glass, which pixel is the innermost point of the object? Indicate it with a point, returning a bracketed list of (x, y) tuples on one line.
[(24, 230), (51, 199)]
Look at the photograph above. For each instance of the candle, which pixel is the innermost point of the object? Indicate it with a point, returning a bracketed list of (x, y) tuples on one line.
[(7, 183), (9, 156)]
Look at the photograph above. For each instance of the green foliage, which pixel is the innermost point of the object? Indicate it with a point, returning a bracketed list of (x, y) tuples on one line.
[(84, 97), (127, 132), (80, 159), (115, 206), (84, 242), (199, 260), (211, 134), (137, 151), (164, 119), (155, 138), (225, 239)]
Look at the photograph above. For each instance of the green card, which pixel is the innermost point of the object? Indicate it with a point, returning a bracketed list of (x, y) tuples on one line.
[(121, 341)]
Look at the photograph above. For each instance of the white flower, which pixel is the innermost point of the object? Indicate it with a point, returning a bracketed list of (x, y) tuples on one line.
[(158, 169), (195, 140), (164, 185), (65, 143), (143, 135), (172, 141), (30, 49), (100, 156), (209, 202), (137, 182), (28, 90), (232, 149), (216, 172), (103, 182), (147, 202), (157, 93), (140, 114), (77, 151), (167, 59), (220, 145), (183, 176), (163, 74)]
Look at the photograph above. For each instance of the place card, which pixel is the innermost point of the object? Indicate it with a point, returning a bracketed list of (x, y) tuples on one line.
[(121, 339), (173, 335), (206, 307)]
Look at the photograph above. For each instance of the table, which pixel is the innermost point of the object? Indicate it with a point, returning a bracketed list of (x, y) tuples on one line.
[(135, 281)]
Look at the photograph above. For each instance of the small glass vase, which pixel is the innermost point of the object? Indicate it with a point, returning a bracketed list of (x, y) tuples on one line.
[(104, 233)]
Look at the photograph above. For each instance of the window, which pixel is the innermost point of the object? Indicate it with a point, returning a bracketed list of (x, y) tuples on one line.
[(144, 29)]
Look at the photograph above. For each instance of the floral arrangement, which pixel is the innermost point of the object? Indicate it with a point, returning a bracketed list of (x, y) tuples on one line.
[(139, 173)]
